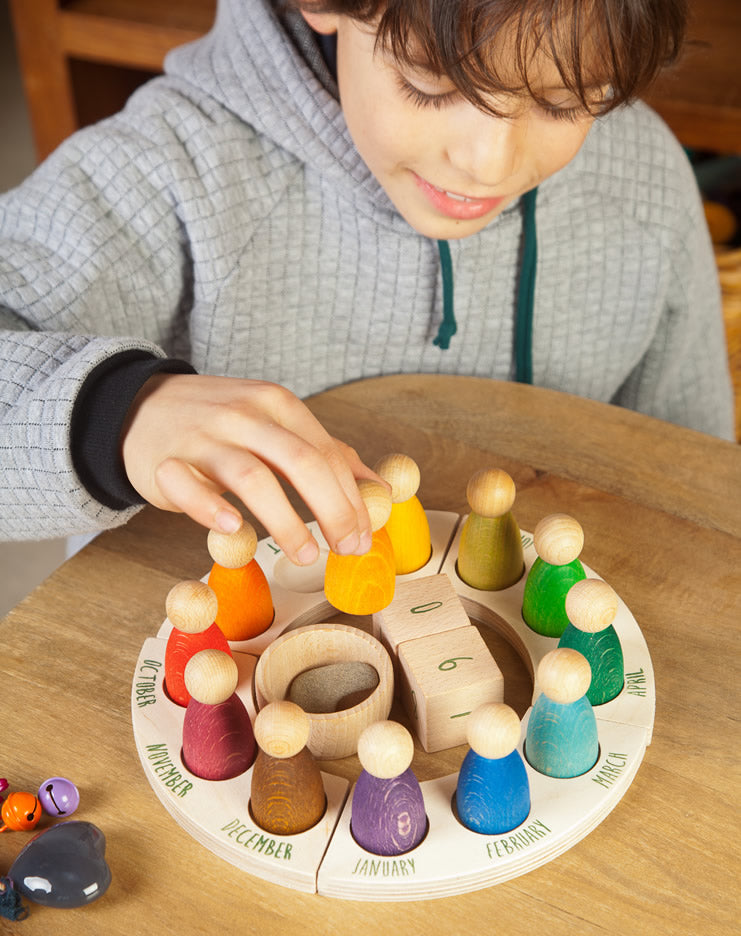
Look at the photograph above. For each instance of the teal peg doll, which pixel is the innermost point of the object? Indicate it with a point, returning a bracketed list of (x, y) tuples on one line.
[(562, 738), (591, 607)]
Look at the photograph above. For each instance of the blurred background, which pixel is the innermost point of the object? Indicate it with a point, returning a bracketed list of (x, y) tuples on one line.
[(22, 565), (67, 63)]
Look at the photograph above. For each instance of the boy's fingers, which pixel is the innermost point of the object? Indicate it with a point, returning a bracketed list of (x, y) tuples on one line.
[(330, 492), (187, 492), (222, 434), (293, 415), (357, 466), (250, 477), (190, 490)]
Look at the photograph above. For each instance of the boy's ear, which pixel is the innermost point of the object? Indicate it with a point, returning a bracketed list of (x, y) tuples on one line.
[(325, 23)]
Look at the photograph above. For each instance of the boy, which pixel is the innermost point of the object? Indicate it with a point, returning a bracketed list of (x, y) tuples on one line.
[(287, 210)]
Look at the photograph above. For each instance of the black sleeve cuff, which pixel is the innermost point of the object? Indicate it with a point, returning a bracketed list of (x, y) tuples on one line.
[(98, 417)]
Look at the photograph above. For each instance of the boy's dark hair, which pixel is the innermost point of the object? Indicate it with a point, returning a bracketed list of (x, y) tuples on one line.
[(622, 44)]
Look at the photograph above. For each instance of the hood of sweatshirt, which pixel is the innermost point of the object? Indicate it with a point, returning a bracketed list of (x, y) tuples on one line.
[(249, 64), (264, 64)]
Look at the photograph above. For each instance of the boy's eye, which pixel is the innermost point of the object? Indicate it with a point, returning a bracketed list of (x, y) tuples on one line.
[(572, 108), (564, 113), (423, 98)]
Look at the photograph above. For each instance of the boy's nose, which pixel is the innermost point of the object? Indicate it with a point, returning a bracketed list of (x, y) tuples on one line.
[(488, 149)]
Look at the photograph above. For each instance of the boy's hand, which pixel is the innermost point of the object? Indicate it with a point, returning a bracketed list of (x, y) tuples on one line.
[(189, 438)]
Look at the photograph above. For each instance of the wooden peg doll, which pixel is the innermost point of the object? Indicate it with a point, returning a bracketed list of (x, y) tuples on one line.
[(365, 584), (218, 740), (490, 553), (191, 608), (558, 542), (407, 527), (245, 601), (287, 794), (591, 606), (561, 736), (493, 792), (388, 810)]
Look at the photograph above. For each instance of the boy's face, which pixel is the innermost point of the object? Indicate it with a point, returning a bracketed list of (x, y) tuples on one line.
[(448, 167)]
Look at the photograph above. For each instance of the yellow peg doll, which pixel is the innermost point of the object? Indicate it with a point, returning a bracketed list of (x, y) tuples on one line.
[(407, 526)]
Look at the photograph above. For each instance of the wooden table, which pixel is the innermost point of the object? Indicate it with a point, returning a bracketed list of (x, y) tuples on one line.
[(661, 512)]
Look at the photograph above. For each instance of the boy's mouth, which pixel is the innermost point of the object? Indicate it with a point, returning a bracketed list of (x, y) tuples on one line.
[(463, 198), (455, 205)]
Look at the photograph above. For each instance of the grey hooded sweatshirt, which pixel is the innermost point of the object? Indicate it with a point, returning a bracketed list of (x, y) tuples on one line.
[(225, 219)]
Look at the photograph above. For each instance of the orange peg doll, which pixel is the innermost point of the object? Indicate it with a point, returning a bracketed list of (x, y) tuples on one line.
[(365, 584), (191, 608), (245, 603), (490, 553), (407, 527)]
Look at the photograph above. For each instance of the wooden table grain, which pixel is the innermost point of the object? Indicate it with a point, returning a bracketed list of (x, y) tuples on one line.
[(661, 512)]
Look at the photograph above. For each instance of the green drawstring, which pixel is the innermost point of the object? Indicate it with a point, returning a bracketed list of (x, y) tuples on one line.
[(525, 295), (448, 326)]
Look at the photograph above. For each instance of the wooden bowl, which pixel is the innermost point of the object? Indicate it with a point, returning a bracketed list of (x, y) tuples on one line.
[(333, 734)]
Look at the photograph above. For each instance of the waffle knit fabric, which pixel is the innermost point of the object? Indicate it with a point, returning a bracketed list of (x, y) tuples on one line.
[(226, 219)]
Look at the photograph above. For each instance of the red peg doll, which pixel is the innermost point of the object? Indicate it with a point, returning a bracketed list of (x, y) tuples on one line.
[(191, 608), (218, 740)]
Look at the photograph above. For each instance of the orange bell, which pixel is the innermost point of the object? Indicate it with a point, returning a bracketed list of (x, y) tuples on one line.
[(20, 811)]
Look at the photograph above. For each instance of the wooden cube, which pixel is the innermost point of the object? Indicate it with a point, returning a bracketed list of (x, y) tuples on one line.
[(442, 679), (420, 607)]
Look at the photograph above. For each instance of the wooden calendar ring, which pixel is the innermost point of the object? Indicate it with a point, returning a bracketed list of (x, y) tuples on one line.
[(451, 859)]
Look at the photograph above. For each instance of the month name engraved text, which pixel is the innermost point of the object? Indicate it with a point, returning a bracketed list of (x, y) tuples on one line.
[(610, 769), (635, 683), (523, 838), (166, 770), (146, 682), (257, 841), (384, 867)]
